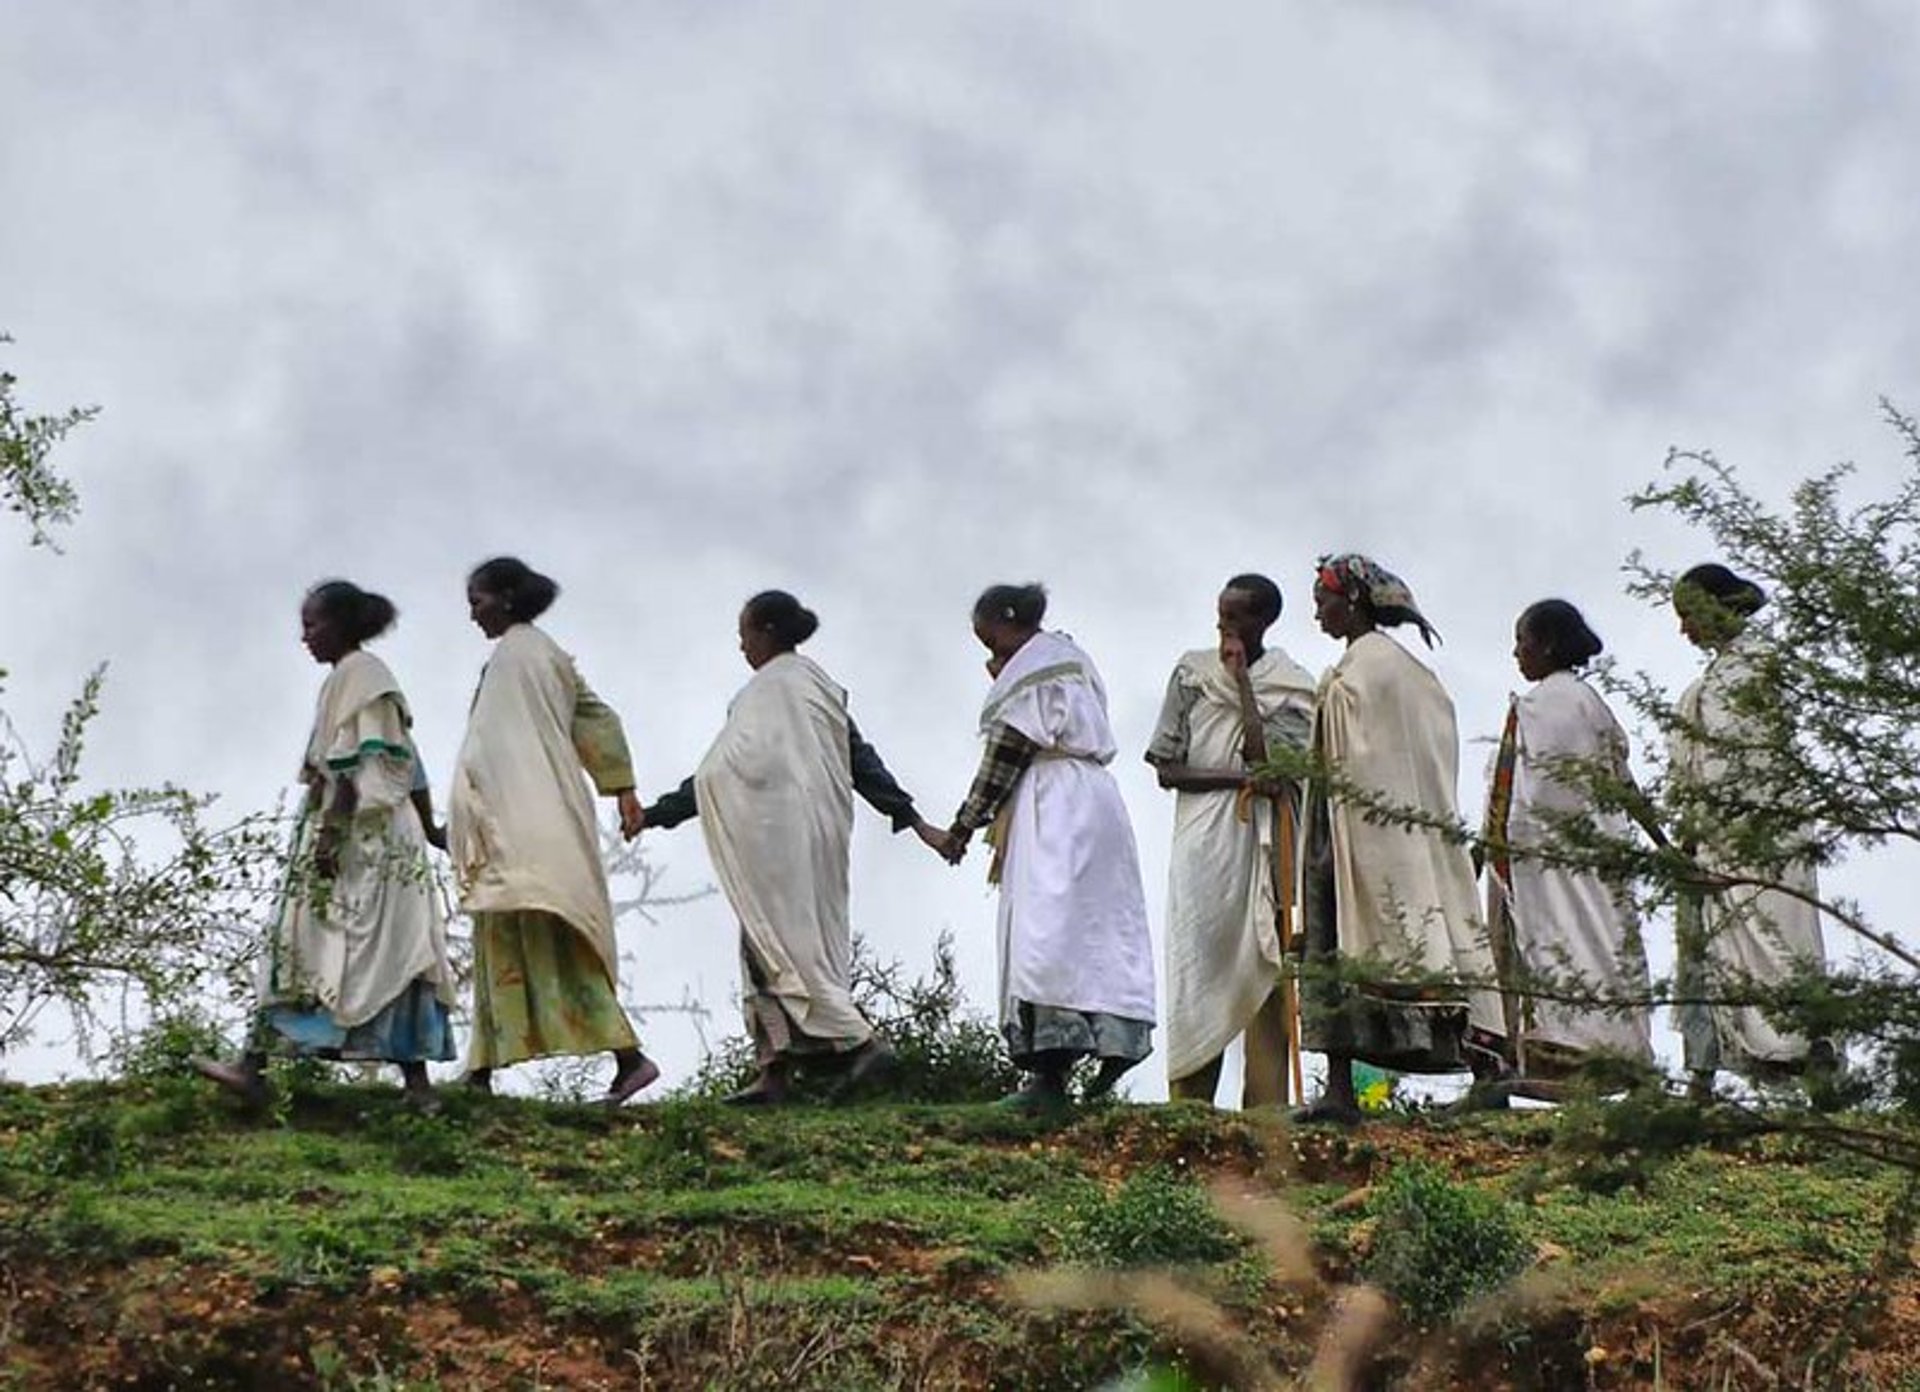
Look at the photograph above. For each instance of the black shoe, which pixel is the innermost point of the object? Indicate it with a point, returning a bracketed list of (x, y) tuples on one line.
[(1326, 1113), (872, 1063), (1044, 1096), (1102, 1083)]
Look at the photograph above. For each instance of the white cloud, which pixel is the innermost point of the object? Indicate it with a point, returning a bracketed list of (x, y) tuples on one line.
[(880, 305)]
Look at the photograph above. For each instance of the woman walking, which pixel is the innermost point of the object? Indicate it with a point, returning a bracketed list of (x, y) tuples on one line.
[(1076, 964), (1394, 899), (356, 963), (526, 847), (774, 796), (1567, 928), (1762, 932)]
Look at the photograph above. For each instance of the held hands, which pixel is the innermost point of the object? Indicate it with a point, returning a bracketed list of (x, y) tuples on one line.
[(942, 843), (632, 818)]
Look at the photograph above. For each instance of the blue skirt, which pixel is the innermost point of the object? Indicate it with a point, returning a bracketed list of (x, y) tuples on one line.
[(414, 1028)]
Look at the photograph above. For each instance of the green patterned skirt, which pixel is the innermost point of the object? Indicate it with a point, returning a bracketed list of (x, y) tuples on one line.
[(539, 989)]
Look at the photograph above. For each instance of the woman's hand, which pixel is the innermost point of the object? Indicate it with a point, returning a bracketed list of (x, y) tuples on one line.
[(632, 818), (939, 841)]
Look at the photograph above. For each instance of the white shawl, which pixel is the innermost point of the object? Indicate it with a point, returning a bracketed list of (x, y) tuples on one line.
[(1404, 893), (1568, 920), (1223, 947), (775, 794), (356, 944), (521, 823), (1758, 933), (1073, 918)]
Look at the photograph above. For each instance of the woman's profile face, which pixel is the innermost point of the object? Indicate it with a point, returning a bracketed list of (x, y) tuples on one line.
[(488, 610), (756, 644), (1707, 623), (1333, 611), (1001, 640), (1533, 657), (320, 632)]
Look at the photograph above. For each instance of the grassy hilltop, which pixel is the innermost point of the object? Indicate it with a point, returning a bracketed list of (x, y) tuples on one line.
[(153, 1236)]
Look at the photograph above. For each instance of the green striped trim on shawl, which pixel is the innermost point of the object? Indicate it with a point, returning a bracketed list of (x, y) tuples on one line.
[(369, 746), (1059, 671)]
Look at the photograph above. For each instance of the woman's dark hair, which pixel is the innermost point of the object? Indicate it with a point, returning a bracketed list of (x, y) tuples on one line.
[(1022, 605), (361, 614), (1266, 594), (524, 591), (1733, 592), (782, 617), (1562, 632)]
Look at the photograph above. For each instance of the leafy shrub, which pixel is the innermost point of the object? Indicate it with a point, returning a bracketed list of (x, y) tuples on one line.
[(944, 1050), (1155, 1218), (84, 1144), (164, 1048), (1438, 1243)]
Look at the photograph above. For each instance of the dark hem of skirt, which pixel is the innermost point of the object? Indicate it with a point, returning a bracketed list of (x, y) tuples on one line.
[(1054, 1031)]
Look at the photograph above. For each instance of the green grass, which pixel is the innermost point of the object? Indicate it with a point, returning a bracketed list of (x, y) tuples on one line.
[(860, 1247)]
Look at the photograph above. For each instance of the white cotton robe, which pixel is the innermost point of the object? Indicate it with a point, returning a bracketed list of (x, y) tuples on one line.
[(1073, 915), (521, 825), (1566, 920), (1405, 893), (1759, 933), (1223, 944), (776, 806), (354, 945)]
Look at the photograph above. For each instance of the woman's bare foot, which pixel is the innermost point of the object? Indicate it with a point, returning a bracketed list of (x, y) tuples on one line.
[(419, 1090), (244, 1080), (768, 1090), (637, 1071)]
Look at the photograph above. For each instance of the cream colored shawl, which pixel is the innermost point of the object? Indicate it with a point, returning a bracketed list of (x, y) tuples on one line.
[(1404, 893), (776, 806), (356, 943), (1567, 920), (1223, 949), (521, 819), (1751, 932), (1073, 916)]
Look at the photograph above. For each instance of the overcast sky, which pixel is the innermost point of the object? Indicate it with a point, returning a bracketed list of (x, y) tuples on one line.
[(880, 303)]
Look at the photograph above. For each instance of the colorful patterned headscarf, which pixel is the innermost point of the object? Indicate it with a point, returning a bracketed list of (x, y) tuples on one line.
[(1386, 595)]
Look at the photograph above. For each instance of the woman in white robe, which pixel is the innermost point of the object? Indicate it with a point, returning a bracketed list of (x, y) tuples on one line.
[(1076, 963), (1747, 933), (774, 796), (526, 845), (1228, 709), (1396, 901), (356, 963), (1569, 931)]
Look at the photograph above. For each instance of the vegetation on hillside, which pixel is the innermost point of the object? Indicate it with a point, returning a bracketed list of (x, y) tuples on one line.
[(153, 1235)]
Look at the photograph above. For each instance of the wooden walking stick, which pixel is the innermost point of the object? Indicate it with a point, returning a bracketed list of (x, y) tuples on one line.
[(1254, 751), (1283, 873)]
